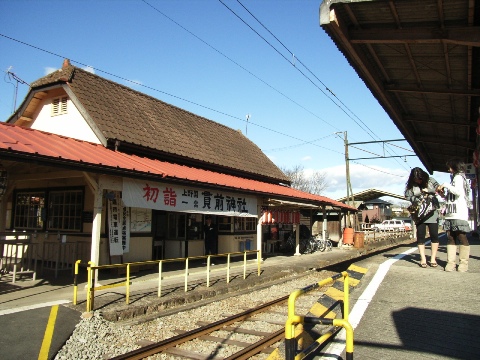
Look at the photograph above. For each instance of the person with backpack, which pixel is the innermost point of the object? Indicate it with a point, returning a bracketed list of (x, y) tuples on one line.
[(456, 224), (421, 189)]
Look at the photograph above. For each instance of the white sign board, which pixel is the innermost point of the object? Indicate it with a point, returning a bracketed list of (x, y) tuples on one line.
[(159, 196), (470, 171)]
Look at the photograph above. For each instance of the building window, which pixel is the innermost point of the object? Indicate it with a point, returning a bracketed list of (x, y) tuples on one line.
[(224, 224), (29, 210), (59, 106), (248, 223), (240, 224), (65, 210), (59, 210), (177, 226)]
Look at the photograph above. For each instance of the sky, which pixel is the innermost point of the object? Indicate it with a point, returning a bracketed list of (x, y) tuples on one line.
[(265, 68)]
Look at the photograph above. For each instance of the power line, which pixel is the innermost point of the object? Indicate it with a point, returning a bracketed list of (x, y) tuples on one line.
[(368, 131), (273, 47), (157, 90), (237, 64), (160, 91)]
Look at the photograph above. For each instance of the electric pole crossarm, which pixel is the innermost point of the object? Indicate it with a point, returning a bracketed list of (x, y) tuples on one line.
[(381, 157), (379, 141)]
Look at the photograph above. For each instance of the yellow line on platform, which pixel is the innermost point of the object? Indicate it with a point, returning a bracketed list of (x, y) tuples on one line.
[(47, 339)]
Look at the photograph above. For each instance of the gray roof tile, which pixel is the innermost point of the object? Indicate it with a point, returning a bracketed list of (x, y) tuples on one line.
[(135, 118)]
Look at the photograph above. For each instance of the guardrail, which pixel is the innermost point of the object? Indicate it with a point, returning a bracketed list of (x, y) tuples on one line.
[(374, 236), (61, 256), (18, 254), (92, 275), (293, 320)]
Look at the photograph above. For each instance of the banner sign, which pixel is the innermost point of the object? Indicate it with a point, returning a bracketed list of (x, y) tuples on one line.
[(470, 171), (119, 226), (152, 195)]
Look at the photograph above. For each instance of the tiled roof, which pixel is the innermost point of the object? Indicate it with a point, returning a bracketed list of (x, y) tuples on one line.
[(22, 144), (135, 118)]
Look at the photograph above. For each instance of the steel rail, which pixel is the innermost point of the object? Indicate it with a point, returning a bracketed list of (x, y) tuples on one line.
[(158, 347)]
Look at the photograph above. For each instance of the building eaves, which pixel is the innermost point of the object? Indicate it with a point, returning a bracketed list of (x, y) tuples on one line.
[(28, 145)]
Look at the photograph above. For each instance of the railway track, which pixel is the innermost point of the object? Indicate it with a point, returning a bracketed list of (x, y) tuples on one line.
[(261, 330)]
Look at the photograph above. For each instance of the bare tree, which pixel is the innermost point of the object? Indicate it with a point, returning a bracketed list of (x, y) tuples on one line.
[(314, 184)]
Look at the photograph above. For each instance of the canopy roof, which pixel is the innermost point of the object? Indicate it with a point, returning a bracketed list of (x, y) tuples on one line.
[(371, 194), (421, 60)]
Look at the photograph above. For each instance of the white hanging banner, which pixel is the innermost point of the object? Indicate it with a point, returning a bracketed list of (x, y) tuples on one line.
[(119, 226), (152, 195)]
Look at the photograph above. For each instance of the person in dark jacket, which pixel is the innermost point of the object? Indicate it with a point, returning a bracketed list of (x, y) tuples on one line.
[(418, 187), (211, 236)]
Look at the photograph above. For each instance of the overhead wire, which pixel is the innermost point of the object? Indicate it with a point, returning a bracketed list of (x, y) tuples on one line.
[(368, 131), (237, 64), (305, 143), (291, 53), (160, 91), (206, 107)]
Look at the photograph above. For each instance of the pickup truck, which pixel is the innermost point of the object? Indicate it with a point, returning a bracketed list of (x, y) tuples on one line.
[(389, 225)]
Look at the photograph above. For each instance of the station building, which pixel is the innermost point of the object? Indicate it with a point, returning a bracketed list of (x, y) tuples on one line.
[(110, 175)]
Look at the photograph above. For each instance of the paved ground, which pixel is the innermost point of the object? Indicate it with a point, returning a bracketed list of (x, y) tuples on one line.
[(403, 311), (399, 310)]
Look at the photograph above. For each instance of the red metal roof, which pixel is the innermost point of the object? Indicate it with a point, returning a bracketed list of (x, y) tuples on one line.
[(19, 142)]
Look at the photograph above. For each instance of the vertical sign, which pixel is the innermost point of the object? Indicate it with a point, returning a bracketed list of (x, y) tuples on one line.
[(119, 226)]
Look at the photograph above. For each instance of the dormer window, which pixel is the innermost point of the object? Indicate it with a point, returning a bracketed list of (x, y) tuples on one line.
[(59, 106)]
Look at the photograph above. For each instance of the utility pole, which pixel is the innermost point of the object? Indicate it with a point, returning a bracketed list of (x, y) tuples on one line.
[(350, 199), (347, 170), (347, 166)]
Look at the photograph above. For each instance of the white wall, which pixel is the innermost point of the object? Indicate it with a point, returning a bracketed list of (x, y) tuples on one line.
[(71, 124)]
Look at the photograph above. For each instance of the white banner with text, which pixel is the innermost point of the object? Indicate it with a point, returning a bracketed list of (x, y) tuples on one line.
[(159, 196)]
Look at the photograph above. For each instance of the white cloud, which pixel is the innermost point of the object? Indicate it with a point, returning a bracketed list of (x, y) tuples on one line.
[(364, 178), (90, 69), (134, 84), (49, 70), (306, 158)]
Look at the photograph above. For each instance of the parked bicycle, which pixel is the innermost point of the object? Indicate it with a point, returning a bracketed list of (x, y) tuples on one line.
[(323, 244), (309, 245), (315, 243)]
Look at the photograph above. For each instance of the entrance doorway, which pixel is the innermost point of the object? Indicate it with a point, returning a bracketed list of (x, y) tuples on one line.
[(160, 226)]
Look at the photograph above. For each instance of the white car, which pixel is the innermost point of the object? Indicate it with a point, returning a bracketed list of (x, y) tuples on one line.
[(389, 225)]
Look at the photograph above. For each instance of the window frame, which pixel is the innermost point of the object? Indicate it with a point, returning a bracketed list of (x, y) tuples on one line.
[(177, 225), (66, 208), (46, 211), (236, 224), (59, 105), (23, 222)]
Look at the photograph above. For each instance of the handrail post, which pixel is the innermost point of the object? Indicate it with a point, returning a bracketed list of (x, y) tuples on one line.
[(208, 271), (186, 274), (89, 286), (244, 265), (290, 343), (349, 336), (346, 297), (228, 268), (75, 282), (159, 293), (292, 320), (259, 261), (92, 291), (127, 285)]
